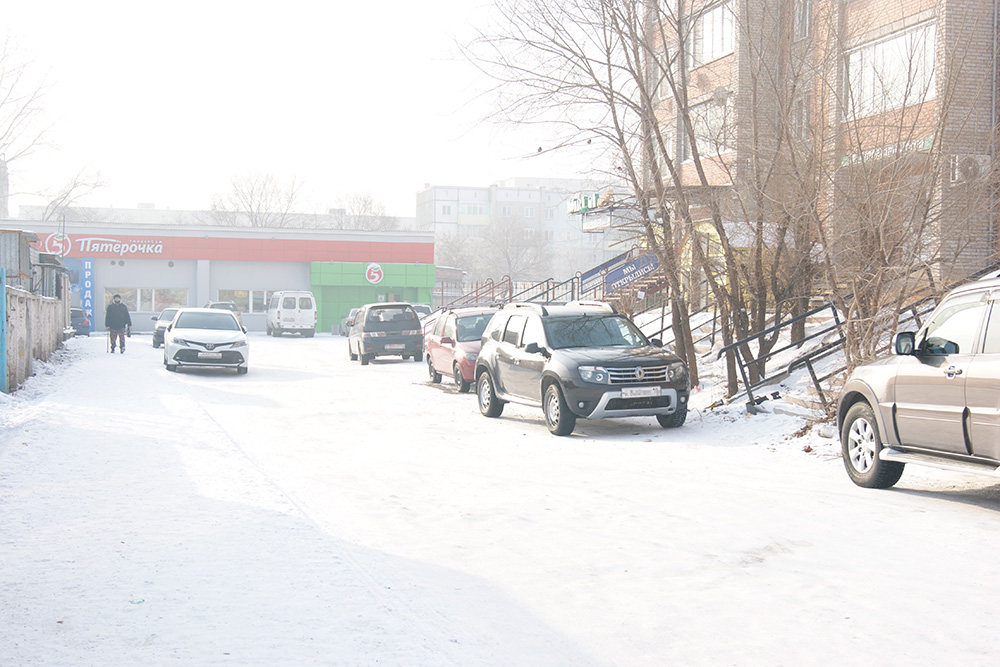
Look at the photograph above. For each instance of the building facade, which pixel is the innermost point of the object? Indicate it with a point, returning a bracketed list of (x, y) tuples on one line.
[(156, 265)]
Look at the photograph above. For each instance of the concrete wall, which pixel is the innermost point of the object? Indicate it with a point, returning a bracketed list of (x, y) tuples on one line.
[(35, 328)]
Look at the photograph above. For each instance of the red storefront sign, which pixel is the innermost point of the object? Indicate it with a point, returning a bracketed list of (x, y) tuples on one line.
[(236, 249)]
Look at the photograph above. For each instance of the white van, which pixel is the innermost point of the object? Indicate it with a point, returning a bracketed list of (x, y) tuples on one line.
[(291, 311)]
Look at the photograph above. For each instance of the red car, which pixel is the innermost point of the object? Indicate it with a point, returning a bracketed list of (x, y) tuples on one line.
[(453, 344)]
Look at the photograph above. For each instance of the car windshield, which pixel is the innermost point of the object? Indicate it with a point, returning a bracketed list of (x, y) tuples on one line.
[(168, 314), (219, 321), (588, 331), (471, 328)]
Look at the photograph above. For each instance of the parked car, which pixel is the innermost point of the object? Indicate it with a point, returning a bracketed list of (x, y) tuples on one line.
[(936, 401), (80, 321), (581, 359), (452, 346), (383, 329), (162, 321), (206, 337), (226, 305), (292, 312), (347, 321), (423, 309)]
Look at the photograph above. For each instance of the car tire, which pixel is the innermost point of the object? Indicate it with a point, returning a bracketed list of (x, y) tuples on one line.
[(675, 420), (242, 370), (350, 352), (419, 356), (558, 417), (155, 345), (171, 367), (861, 443), (309, 333), (365, 358), (486, 395), (463, 386), (267, 329), (275, 332), (432, 372)]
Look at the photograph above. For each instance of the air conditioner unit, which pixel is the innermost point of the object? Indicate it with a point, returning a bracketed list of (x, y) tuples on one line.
[(967, 168)]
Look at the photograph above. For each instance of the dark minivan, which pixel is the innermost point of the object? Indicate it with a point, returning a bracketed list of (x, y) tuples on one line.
[(385, 329)]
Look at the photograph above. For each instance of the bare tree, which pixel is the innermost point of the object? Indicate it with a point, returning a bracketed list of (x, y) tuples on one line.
[(20, 112), (363, 212), (84, 183), (257, 200)]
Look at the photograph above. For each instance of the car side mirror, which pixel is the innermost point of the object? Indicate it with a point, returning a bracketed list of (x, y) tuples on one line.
[(535, 348), (656, 342), (244, 329), (154, 318), (905, 343), (446, 340)]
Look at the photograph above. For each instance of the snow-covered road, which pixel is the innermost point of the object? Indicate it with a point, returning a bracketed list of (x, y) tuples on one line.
[(317, 512)]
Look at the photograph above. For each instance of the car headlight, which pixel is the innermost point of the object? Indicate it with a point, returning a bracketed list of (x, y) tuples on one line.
[(677, 373), (179, 341), (471, 356), (594, 374), (240, 343)]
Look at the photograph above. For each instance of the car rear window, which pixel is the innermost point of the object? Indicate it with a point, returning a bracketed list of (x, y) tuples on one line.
[(401, 318), (218, 321), (305, 303)]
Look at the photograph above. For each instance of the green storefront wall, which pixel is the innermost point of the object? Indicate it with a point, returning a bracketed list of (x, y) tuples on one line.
[(340, 286)]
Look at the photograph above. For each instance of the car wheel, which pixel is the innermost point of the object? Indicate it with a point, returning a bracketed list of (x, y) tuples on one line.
[(419, 356), (309, 333), (432, 372), (350, 352), (489, 404), (463, 386), (171, 367), (275, 332), (365, 358), (267, 329), (674, 420), (557, 415), (861, 444), (155, 344), (242, 370)]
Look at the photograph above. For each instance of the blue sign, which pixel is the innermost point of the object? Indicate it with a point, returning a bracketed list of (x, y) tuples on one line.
[(81, 273), (637, 268)]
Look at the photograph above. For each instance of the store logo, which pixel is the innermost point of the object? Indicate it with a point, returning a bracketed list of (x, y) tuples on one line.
[(374, 273), (58, 244)]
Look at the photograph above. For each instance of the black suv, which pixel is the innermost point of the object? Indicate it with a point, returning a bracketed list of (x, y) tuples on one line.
[(581, 359)]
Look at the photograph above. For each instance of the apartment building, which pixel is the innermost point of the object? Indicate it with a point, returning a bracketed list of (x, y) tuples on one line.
[(872, 119), (539, 211)]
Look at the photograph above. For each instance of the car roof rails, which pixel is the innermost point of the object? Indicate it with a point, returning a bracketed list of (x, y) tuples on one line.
[(537, 307), (602, 305)]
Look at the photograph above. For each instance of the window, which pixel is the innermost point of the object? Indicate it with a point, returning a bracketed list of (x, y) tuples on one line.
[(473, 209), (529, 211), (802, 19), (506, 211), (711, 129), (550, 213), (147, 300), (954, 328), (892, 73), (445, 209), (512, 333), (713, 33), (449, 327), (549, 235), (533, 332), (800, 119)]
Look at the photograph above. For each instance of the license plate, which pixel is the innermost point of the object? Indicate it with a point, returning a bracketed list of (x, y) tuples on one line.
[(395, 346), (209, 355), (640, 392)]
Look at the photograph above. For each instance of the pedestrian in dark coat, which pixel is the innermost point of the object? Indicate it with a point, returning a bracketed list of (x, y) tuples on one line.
[(117, 320)]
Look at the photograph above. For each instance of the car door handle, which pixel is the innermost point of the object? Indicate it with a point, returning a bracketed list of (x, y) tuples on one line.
[(952, 371)]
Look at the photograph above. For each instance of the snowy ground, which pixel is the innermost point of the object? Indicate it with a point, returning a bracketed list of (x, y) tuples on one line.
[(316, 512)]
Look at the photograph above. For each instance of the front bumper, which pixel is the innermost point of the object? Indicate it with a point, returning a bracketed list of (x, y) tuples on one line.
[(598, 402)]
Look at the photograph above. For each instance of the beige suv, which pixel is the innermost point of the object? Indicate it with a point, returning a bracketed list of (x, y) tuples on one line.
[(936, 401)]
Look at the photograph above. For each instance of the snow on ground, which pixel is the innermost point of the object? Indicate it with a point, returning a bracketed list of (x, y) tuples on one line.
[(317, 512)]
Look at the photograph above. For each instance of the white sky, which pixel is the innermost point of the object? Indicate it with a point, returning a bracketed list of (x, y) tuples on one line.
[(170, 101)]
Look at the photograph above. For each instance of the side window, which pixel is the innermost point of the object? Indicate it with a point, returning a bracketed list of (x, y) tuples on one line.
[(439, 325), (992, 343), (533, 332), (515, 325), (496, 327), (955, 325), (274, 302), (449, 327)]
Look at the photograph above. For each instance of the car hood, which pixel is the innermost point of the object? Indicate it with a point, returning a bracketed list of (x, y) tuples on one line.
[(208, 335), (647, 355)]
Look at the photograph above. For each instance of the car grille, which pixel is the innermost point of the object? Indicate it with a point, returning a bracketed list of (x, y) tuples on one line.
[(639, 403), (638, 374)]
